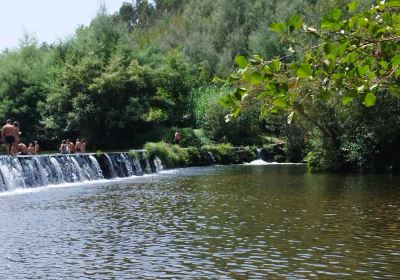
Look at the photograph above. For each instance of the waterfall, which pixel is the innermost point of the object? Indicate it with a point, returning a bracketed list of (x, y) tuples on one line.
[(11, 171), (42, 170), (211, 157), (158, 164), (123, 165)]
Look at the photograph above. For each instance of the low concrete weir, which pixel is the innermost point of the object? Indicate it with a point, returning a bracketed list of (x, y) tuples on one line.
[(36, 171)]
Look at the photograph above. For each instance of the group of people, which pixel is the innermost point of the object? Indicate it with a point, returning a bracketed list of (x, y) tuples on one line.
[(11, 138), (67, 147)]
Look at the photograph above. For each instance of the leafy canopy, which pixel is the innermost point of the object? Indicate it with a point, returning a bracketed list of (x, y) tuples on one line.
[(355, 54)]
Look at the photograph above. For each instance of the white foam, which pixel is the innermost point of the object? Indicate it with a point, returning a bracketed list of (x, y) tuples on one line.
[(21, 191), (261, 162)]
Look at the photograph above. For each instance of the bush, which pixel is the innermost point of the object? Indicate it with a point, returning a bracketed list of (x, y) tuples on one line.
[(165, 152), (176, 156), (209, 114), (246, 154), (222, 153)]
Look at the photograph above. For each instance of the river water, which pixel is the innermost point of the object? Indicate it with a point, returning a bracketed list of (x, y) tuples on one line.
[(223, 222)]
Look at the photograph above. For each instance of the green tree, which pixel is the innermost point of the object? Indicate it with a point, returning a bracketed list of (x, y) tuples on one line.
[(23, 76), (357, 57)]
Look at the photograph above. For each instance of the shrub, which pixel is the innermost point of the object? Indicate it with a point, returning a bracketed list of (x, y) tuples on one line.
[(176, 156), (208, 113), (223, 153), (170, 155)]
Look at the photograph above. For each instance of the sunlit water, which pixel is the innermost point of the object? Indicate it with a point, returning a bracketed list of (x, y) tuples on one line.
[(239, 222)]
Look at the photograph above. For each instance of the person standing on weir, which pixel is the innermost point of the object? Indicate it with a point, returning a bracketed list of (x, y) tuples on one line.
[(177, 137), (9, 135), (71, 146)]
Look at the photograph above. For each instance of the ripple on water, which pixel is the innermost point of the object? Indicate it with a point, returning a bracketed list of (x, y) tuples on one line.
[(239, 222)]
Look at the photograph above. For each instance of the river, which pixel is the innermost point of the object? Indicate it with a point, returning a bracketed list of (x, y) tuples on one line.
[(221, 222)]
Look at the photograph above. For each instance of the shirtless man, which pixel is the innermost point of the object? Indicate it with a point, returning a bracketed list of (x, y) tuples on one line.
[(22, 149), (78, 146), (71, 146), (64, 148), (14, 148), (9, 135)]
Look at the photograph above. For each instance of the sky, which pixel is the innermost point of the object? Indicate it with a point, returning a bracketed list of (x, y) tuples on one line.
[(47, 20)]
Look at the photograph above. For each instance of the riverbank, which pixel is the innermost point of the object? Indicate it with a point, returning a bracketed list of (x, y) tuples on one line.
[(176, 156)]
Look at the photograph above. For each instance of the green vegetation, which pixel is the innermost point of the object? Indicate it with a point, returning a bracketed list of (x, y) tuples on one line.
[(176, 156), (330, 79), (138, 75)]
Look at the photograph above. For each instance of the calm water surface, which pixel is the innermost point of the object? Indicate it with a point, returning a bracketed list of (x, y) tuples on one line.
[(237, 222)]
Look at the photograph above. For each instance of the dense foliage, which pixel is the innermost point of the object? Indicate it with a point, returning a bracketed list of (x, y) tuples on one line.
[(139, 74), (355, 56)]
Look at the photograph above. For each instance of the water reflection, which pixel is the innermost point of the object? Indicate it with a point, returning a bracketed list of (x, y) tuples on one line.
[(239, 222)]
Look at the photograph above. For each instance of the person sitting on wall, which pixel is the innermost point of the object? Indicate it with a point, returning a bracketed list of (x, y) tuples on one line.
[(78, 146), (9, 135), (31, 149), (64, 148), (22, 149), (83, 146), (36, 147)]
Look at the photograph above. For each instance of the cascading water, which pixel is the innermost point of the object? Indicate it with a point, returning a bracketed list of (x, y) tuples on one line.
[(43, 170), (158, 164), (121, 165)]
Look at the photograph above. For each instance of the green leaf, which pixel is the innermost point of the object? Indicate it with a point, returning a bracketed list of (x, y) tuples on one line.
[(280, 103), (396, 61), (397, 73), (236, 112), (330, 48), (336, 14), (274, 110), (241, 61), (256, 78), (362, 70), (383, 64), (346, 100), (353, 6), (228, 101), (370, 99), (341, 49), (393, 4), (295, 22), (304, 71), (275, 65), (278, 27)]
